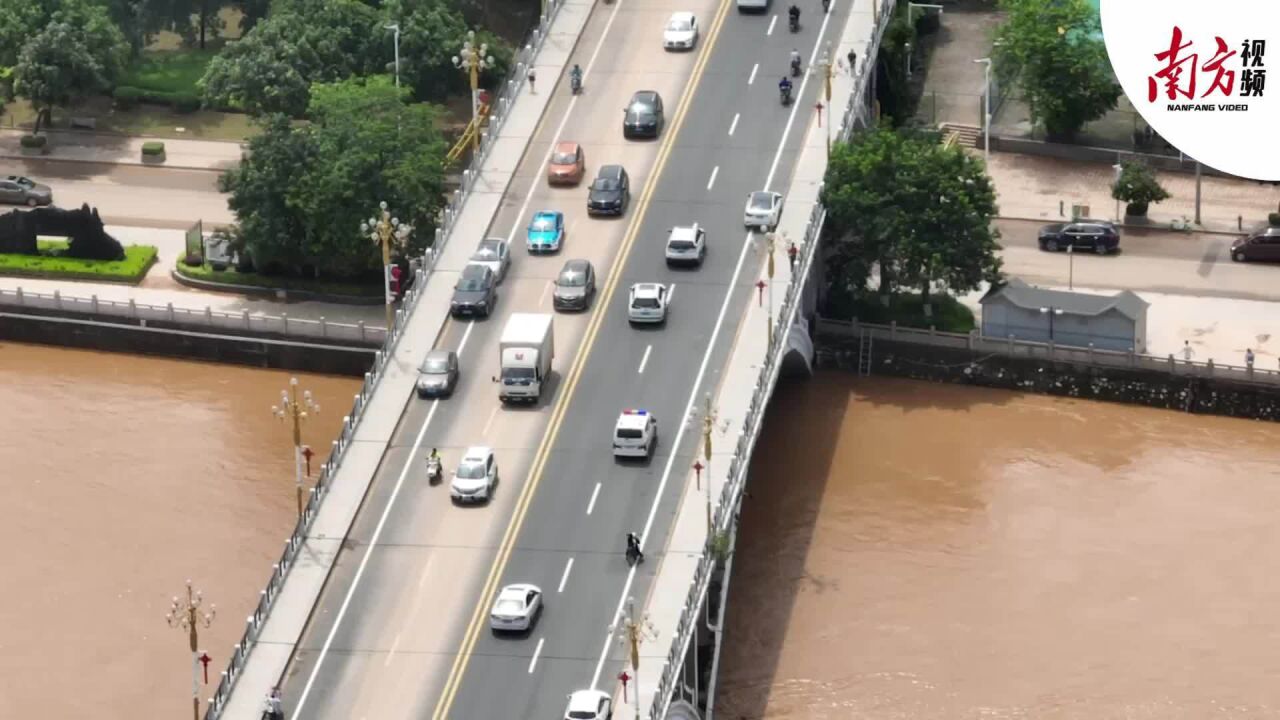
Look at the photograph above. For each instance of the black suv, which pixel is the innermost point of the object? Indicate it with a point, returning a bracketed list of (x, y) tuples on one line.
[(474, 294), (610, 191), (642, 117), (1262, 245), (1099, 236)]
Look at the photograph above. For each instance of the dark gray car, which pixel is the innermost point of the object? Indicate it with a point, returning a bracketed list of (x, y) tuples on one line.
[(24, 191), (575, 285), (474, 293), (1099, 236), (438, 374), (643, 117)]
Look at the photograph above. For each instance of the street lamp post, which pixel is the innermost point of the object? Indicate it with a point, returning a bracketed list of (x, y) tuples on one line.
[(395, 27), (1071, 267), (1118, 169), (709, 416), (385, 230), (770, 239), (635, 631), (825, 64), (908, 47), (186, 615), (986, 107), (472, 60), (295, 410), (1050, 311)]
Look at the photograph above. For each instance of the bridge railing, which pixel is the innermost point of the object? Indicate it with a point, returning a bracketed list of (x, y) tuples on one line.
[(856, 113), (206, 319), (422, 269)]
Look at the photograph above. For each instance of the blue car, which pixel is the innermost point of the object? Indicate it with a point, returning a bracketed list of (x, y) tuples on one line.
[(546, 232)]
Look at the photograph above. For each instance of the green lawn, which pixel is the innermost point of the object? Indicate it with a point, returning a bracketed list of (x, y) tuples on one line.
[(51, 265), (233, 277), (169, 71), (155, 120)]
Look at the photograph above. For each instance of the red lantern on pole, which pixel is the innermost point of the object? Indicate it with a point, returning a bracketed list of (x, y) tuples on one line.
[(697, 469), (760, 292)]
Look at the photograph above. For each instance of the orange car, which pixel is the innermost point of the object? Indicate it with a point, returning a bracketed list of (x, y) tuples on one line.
[(568, 164)]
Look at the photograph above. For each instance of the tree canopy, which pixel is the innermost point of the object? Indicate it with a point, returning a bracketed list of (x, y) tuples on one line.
[(1065, 74), (431, 34), (301, 192), (916, 210)]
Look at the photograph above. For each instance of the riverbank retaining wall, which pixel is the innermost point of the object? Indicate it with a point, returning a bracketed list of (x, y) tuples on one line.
[(154, 338), (919, 359)]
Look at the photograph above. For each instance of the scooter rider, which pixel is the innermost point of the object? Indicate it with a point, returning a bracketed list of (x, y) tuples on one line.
[(784, 88), (433, 464), (575, 78), (794, 12), (795, 61), (633, 547)]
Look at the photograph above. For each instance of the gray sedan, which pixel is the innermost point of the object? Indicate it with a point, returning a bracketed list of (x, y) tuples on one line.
[(24, 191), (575, 285), (438, 374)]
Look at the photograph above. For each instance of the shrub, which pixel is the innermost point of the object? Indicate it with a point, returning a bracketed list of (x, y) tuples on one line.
[(1273, 219), (127, 97), (34, 141), (1138, 187), (193, 259), (153, 148), (186, 102), (52, 262)]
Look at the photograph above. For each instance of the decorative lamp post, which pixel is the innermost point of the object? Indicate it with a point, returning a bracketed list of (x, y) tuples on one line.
[(472, 60), (707, 418), (636, 630), (771, 240), (295, 410), (186, 615), (385, 231)]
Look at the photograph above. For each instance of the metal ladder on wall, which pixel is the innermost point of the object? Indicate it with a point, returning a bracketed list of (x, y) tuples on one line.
[(864, 353)]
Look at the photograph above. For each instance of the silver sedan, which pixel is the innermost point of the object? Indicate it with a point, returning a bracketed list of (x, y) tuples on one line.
[(517, 608), (494, 254)]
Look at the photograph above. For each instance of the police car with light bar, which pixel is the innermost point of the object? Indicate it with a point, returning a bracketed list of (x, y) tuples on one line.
[(635, 434)]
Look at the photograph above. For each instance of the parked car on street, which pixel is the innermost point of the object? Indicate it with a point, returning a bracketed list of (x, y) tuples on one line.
[(1099, 236), (24, 191), (1263, 245)]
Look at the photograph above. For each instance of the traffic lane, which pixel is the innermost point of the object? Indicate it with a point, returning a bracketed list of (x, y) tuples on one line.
[(59, 174), (1133, 241), (172, 198)]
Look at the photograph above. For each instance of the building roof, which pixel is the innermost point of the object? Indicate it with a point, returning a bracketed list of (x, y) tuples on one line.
[(1029, 297)]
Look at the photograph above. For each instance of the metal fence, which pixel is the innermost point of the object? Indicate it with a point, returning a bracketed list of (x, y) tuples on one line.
[(422, 269), (198, 319), (1053, 352), (856, 113)]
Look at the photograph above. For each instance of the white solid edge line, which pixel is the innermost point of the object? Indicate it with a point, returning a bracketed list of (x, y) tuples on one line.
[(533, 662), (714, 172), (542, 300), (733, 125), (645, 360), (671, 292), (373, 543), (702, 370), (772, 21), (565, 577), (754, 69), (573, 100), (394, 645), (594, 494)]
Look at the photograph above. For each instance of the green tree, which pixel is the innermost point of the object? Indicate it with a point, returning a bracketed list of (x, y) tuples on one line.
[(1138, 187), (301, 42), (920, 213), (301, 192), (431, 34), (78, 53), (194, 20), (1065, 74)]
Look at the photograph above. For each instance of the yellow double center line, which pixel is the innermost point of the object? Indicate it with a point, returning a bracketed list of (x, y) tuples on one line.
[(562, 403)]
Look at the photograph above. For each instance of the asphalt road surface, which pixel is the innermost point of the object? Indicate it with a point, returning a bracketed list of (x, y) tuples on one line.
[(403, 648), (1149, 260), (132, 195)]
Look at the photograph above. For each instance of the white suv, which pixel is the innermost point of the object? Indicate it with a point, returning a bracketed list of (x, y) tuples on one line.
[(686, 244), (475, 477), (635, 434), (763, 210), (648, 303)]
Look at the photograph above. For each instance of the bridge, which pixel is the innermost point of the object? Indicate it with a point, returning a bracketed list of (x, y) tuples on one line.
[(378, 607)]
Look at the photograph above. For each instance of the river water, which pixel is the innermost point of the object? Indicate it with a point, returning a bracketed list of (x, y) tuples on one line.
[(121, 477), (923, 551)]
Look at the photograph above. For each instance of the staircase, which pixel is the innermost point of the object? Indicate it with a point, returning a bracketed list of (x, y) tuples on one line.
[(962, 135)]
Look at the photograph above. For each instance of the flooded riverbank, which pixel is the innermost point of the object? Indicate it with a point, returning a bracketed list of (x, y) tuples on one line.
[(121, 477), (912, 550)]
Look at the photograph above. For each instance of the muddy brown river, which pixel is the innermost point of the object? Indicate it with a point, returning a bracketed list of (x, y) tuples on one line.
[(121, 477), (923, 551)]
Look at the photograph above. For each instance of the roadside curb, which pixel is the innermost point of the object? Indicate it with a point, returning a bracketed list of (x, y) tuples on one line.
[(1133, 226), (49, 158), (283, 294)]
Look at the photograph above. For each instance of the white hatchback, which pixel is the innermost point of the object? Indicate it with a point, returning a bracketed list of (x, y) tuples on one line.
[(476, 476), (648, 303), (686, 245)]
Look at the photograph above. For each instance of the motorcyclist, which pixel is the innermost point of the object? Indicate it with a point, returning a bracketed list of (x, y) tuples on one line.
[(826, 6), (575, 77), (795, 62), (794, 12), (433, 464), (633, 547), (784, 87)]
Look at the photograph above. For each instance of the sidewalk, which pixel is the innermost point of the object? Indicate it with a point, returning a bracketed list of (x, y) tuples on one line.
[(283, 628), (87, 146), (1030, 187), (683, 551)]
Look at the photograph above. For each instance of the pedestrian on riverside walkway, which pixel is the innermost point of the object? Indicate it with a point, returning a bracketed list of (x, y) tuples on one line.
[(274, 709), (532, 77), (1248, 358), (791, 255), (853, 61), (1187, 352)]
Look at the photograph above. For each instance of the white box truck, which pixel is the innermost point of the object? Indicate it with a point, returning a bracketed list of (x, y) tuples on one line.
[(526, 351)]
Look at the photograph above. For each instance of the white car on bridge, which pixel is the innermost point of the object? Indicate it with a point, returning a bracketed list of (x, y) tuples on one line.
[(517, 608), (589, 705), (475, 477), (648, 303)]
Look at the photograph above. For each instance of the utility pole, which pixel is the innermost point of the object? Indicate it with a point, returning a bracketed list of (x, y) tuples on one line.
[(636, 630), (186, 615), (295, 410), (395, 27)]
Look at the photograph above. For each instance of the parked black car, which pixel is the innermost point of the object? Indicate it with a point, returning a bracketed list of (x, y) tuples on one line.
[(1099, 236), (610, 192), (642, 117), (474, 293), (1263, 245)]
